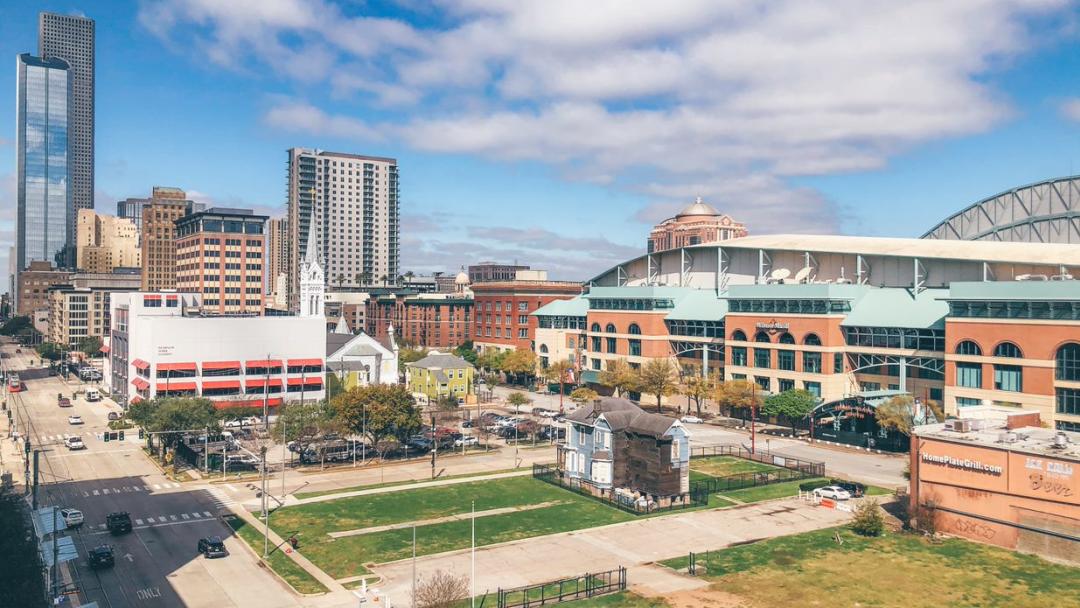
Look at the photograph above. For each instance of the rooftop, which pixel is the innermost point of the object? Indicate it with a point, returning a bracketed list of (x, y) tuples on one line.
[(574, 307), (993, 434), (1015, 290), (437, 360), (898, 307), (622, 414)]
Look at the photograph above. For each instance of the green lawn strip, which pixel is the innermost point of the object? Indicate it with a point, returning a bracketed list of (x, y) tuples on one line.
[(896, 570), (344, 557), (878, 491), (723, 466), (280, 563), (769, 492), (404, 482)]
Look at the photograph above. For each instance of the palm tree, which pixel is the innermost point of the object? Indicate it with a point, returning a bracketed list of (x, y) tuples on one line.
[(340, 279), (409, 274), (359, 278), (383, 279)]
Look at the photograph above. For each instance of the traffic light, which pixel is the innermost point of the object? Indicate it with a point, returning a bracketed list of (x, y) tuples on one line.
[(121, 435), (107, 434), (141, 434)]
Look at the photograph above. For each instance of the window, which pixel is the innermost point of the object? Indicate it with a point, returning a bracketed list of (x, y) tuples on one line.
[(763, 383), (635, 348), (610, 328), (762, 358), (738, 355), (969, 375), (611, 345), (634, 329), (523, 306), (871, 386), (596, 364), (786, 338), (786, 385), (838, 363), (785, 360), (738, 335), (1008, 349), (1068, 362), (1063, 425), (595, 327), (523, 333), (967, 347), (1068, 401), (814, 388), (812, 340), (811, 363), (967, 402), (595, 344), (761, 337), (601, 472), (1009, 378), (676, 448)]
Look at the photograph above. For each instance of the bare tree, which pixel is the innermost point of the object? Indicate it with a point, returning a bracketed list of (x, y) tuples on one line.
[(440, 590)]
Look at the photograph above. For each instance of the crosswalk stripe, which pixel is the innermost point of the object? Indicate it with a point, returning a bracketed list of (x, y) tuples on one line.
[(207, 513), (138, 522), (185, 516), (115, 491), (195, 515), (95, 493), (105, 490), (172, 517), (137, 488), (157, 486), (147, 488), (161, 518), (102, 526)]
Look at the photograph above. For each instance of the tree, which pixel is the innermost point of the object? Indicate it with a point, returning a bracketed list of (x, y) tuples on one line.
[(440, 590), (303, 422), (491, 359), (380, 409), (518, 399), (519, 362), (796, 404), (340, 279), (466, 351), (409, 355), (91, 345), (558, 372), (528, 428), (738, 394), (620, 377), (49, 350), (358, 278), (867, 519), (658, 377), (896, 414), (15, 325), (697, 389), (171, 416), (583, 395)]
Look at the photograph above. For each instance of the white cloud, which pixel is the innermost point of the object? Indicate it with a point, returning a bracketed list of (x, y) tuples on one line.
[(1070, 109), (699, 97)]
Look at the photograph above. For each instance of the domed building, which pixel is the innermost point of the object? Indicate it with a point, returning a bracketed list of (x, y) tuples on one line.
[(698, 224)]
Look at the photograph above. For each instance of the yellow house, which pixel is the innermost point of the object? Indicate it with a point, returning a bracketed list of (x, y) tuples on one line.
[(438, 375)]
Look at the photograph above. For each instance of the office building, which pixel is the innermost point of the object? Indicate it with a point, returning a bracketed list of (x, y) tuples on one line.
[(219, 254), (493, 271), (32, 286), (429, 320), (159, 215), (132, 208), (697, 224), (160, 344), (277, 236), (71, 39), (80, 308), (345, 208), (104, 243), (44, 216), (504, 309)]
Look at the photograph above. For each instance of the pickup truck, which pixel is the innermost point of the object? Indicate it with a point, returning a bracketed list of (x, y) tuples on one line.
[(118, 522)]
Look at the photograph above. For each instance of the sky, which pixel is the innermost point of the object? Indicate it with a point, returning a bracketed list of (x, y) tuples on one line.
[(556, 133)]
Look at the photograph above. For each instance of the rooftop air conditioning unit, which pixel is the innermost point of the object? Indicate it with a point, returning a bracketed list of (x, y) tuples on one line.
[(1007, 438), (958, 426), (1061, 440)]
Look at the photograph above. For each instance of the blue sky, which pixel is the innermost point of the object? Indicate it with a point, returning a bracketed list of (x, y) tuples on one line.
[(556, 133)]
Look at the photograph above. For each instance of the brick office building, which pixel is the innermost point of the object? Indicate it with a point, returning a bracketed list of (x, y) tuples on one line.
[(504, 310), (423, 320), (220, 254)]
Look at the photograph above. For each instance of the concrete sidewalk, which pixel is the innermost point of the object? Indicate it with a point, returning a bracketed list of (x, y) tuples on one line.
[(291, 500), (296, 556)]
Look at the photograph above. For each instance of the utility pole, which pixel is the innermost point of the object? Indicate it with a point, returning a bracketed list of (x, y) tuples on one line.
[(33, 497), (753, 415), (434, 444), (265, 512)]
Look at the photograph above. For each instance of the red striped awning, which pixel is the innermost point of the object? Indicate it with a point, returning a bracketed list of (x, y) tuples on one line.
[(140, 364), (222, 404), (177, 386), (312, 381), (263, 363), (259, 382), (220, 384), (175, 367), (140, 384), (306, 362), (104, 348), (220, 365)]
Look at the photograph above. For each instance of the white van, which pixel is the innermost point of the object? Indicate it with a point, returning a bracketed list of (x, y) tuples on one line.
[(93, 394)]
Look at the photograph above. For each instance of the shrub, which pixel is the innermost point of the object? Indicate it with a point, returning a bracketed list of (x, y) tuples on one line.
[(867, 519)]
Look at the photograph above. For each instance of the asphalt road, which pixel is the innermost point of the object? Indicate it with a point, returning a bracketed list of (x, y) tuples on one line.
[(157, 564)]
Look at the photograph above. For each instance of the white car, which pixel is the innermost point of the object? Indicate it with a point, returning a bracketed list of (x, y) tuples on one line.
[(242, 422), (73, 518), (691, 420), (833, 492), (466, 441), (75, 419), (75, 443)]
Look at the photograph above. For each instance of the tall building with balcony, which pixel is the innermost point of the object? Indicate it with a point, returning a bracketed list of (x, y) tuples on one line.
[(104, 243), (698, 224), (345, 206), (44, 214), (219, 254), (71, 38), (159, 215), (277, 236)]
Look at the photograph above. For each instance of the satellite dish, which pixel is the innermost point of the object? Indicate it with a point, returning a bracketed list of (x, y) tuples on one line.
[(803, 274), (780, 274)]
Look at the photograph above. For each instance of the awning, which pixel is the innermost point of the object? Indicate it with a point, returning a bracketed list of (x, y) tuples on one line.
[(104, 348), (135, 399), (259, 382), (140, 364), (140, 384), (175, 367), (306, 362), (263, 363), (222, 404), (220, 384), (312, 381), (221, 365), (177, 386)]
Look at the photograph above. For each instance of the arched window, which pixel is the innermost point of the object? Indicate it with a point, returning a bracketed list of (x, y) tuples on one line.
[(738, 335), (786, 338), (967, 347), (1008, 349), (812, 340), (761, 337), (543, 349), (610, 328), (1068, 362), (595, 327), (634, 329)]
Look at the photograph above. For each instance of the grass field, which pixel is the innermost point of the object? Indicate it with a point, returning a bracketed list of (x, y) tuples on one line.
[(278, 561), (769, 492), (898, 570), (346, 556), (405, 482), (722, 466)]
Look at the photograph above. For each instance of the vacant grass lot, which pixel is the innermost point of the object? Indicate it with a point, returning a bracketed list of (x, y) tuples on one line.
[(346, 556), (278, 561), (404, 482), (777, 490), (898, 570), (722, 466)]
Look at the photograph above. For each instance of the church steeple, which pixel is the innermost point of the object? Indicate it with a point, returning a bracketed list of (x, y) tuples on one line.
[(312, 285)]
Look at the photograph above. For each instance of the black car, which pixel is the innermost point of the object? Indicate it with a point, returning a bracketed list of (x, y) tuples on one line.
[(466, 424), (856, 489), (212, 547), (101, 557), (118, 522)]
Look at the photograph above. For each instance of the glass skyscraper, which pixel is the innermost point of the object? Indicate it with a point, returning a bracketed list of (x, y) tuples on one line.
[(42, 162)]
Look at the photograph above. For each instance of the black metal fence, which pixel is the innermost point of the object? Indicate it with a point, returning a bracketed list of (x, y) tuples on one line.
[(550, 473), (564, 590), (788, 469)]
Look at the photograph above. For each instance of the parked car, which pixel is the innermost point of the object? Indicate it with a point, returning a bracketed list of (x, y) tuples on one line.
[(118, 522), (691, 420), (73, 518), (833, 492), (211, 547), (466, 441), (74, 443), (75, 419), (856, 489), (241, 422), (101, 556), (544, 413), (115, 416), (467, 424), (93, 395)]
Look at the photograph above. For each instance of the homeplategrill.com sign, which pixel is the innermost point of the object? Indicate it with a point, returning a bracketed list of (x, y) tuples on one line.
[(963, 463)]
